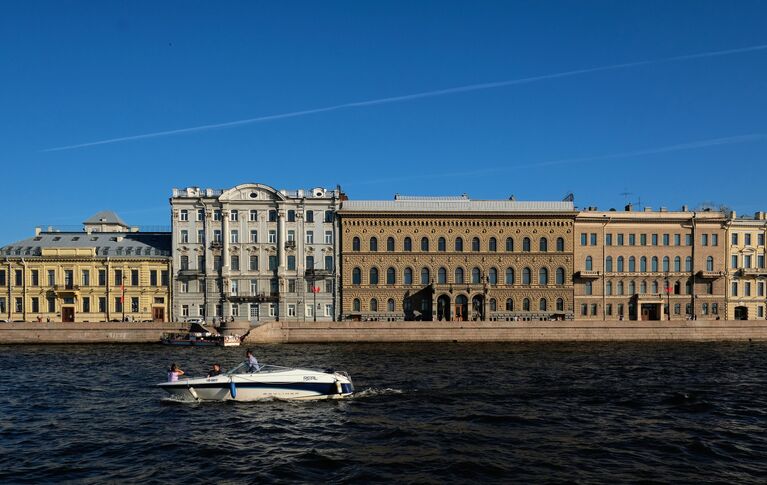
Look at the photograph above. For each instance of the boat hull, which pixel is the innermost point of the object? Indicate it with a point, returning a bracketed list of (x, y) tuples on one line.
[(293, 384)]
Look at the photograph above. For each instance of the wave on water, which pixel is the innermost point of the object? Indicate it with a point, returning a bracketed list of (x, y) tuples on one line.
[(375, 391)]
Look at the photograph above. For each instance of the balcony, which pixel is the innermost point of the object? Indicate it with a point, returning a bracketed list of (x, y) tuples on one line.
[(188, 273), (257, 298), (588, 274), (752, 272), (709, 275), (290, 245), (317, 274), (66, 289), (216, 245)]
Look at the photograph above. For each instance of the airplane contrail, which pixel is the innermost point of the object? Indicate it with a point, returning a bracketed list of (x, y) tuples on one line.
[(410, 97), (730, 140)]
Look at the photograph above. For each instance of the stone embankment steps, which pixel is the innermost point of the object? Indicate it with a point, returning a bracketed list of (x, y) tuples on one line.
[(316, 332)]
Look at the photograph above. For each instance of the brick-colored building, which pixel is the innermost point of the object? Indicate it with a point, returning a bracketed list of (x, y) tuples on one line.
[(650, 265), (746, 272), (453, 258)]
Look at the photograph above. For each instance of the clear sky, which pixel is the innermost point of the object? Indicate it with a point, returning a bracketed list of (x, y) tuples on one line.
[(662, 100)]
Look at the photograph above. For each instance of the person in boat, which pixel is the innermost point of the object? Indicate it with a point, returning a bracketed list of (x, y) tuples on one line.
[(215, 370), (252, 361), (174, 373)]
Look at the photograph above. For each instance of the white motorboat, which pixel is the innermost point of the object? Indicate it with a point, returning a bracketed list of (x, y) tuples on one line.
[(268, 382)]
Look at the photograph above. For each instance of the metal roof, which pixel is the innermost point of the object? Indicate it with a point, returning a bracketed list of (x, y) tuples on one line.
[(105, 217), (438, 204), (112, 244)]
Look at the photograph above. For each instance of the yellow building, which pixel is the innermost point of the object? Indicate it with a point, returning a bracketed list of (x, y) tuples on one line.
[(453, 258), (746, 270), (107, 272)]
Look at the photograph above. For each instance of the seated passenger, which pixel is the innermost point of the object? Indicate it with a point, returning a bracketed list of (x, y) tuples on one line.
[(251, 362), (215, 370), (174, 373)]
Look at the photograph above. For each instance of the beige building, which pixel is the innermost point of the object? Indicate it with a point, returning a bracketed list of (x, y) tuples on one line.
[(453, 258), (107, 272), (650, 265), (746, 267)]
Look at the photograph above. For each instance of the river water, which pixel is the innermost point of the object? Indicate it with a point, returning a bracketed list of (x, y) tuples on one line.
[(427, 413)]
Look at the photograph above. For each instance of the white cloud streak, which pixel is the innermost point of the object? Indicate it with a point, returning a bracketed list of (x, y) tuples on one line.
[(411, 97)]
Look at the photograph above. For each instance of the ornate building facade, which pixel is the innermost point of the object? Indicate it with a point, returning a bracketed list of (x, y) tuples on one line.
[(107, 272), (746, 270), (254, 252), (452, 258), (650, 265)]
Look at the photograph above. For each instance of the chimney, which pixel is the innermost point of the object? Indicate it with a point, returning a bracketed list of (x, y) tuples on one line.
[(648, 209), (38, 230), (664, 209), (300, 193), (629, 207), (685, 208)]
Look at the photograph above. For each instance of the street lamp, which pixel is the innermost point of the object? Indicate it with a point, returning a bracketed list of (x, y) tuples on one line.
[(668, 298)]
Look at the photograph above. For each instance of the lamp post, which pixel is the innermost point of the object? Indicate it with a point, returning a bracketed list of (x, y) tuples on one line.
[(668, 298), (122, 298)]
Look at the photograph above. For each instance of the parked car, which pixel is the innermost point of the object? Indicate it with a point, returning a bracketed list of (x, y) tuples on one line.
[(201, 321)]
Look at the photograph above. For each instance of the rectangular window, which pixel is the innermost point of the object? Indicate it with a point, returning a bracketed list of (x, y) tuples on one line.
[(760, 261), (328, 237), (620, 309), (235, 310), (118, 304), (184, 310), (102, 304), (35, 277), (309, 216), (35, 304), (51, 277), (688, 239), (291, 235), (677, 239), (747, 261), (253, 263), (201, 236), (620, 239), (85, 277), (134, 304), (184, 236), (747, 239), (328, 216), (329, 310), (593, 239), (704, 239), (309, 310), (234, 288), (253, 236), (310, 262), (134, 277), (19, 305), (272, 263), (291, 286), (584, 239), (253, 215), (153, 277), (217, 215), (102, 277), (609, 309), (272, 310), (654, 239), (309, 237), (253, 287), (118, 277), (164, 278), (184, 215), (747, 289), (734, 261), (18, 277), (328, 263), (632, 239), (217, 235), (235, 260), (291, 310), (734, 289), (643, 239), (201, 263), (666, 240), (184, 286), (234, 215), (2, 278), (735, 238), (584, 309), (715, 239), (760, 239), (760, 288), (200, 214), (593, 309), (760, 311), (234, 236), (51, 305), (217, 262), (272, 237), (608, 239), (86, 304)]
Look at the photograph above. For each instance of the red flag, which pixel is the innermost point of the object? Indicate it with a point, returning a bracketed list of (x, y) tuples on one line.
[(122, 288)]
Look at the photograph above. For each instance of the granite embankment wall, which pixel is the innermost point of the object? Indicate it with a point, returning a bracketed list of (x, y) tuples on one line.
[(78, 333), (314, 332)]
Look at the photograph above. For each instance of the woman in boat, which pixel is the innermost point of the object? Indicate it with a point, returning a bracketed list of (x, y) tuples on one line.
[(174, 373)]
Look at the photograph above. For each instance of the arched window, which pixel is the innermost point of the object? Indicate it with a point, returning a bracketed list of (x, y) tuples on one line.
[(609, 264), (424, 244), (458, 276), (441, 246), (620, 264), (526, 245), (632, 287), (688, 287), (509, 244), (543, 245), (642, 287), (643, 264), (560, 276), (619, 288), (391, 277), (609, 288), (560, 244), (373, 305), (509, 276), (543, 276), (356, 305), (509, 305), (493, 305), (459, 244), (710, 263), (654, 264), (632, 264), (665, 263), (356, 276), (408, 244), (526, 304), (475, 244), (390, 244), (655, 287), (475, 276), (373, 244), (390, 305), (492, 245), (373, 276), (356, 244), (688, 263), (526, 276), (492, 276), (589, 263), (677, 264), (408, 278), (542, 305), (442, 276), (425, 276), (560, 305)]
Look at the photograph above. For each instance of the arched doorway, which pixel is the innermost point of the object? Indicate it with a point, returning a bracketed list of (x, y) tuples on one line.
[(461, 308), (741, 313), (443, 308), (478, 307)]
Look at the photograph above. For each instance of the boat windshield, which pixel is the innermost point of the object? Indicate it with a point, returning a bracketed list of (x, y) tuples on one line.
[(244, 368)]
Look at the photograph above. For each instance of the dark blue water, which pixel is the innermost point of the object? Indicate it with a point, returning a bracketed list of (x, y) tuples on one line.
[(423, 413)]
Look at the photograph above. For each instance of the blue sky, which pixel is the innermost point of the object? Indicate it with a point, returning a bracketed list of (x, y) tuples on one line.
[(679, 131)]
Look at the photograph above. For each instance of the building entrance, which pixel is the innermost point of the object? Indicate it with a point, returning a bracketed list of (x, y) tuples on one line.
[(461, 308), (650, 311), (741, 313), (67, 314), (158, 314), (443, 308)]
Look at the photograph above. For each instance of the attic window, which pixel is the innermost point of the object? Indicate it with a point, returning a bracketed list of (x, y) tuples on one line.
[(76, 238), (94, 238), (38, 238), (253, 195), (120, 250), (57, 238)]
